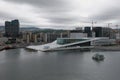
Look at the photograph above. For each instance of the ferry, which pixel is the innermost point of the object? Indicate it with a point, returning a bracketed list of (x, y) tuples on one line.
[(98, 57)]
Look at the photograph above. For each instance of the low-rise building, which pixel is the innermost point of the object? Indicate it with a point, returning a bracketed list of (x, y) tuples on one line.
[(3, 40), (103, 41), (77, 34)]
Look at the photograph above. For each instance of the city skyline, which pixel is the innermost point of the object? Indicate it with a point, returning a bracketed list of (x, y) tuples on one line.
[(52, 13)]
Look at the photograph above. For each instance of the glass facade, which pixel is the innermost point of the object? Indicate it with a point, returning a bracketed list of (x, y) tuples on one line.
[(12, 28), (62, 41)]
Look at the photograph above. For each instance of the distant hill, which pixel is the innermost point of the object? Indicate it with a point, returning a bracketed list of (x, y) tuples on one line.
[(2, 28), (35, 29), (29, 29), (50, 31)]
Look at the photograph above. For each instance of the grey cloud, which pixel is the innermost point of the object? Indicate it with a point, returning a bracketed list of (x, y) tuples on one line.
[(50, 7), (112, 13), (42, 3), (63, 20), (58, 11), (6, 16), (67, 20)]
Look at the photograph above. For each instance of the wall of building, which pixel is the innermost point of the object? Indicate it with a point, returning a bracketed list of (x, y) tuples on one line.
[(103, 41), (78, 35), (12, 28), (117, 36), (3, 40), (88, 31)]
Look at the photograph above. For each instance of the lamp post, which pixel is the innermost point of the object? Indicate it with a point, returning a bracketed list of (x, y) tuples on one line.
[(109, 29)]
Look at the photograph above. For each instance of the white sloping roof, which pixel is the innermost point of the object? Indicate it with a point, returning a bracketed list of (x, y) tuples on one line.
[(54, 45)]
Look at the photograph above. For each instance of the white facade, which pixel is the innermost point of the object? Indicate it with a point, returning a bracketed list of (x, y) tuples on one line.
[(35, 38), (77, 35), (78, 28), (93, 34), (117, 36), (3, 39), (28, 39), (103, 41)]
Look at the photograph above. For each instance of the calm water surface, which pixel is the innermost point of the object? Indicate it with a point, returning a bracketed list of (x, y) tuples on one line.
[(20, 64)]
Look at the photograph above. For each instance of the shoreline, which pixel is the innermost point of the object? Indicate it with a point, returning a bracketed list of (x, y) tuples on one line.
[(107, 48), (104, 48)]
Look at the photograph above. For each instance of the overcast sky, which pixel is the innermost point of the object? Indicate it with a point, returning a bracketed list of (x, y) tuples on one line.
[(61, 14)]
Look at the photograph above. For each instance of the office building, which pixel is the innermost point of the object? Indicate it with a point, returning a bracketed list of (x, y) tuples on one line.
[(88, 31), (12, 28), (98, 31)]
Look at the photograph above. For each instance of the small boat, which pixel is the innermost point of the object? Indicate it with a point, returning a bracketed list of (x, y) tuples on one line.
[(98, 57)]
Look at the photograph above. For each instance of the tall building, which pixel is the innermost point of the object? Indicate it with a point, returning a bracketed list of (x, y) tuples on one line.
[(88, 31), (12, 28), (7, 28), (98, 31), (104, 32)]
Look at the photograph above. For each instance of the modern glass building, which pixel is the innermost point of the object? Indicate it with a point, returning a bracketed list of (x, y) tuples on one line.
[(62, 41), (12, 28)]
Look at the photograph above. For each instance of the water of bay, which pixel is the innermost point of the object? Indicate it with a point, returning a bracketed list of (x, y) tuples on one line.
[(21, 64)]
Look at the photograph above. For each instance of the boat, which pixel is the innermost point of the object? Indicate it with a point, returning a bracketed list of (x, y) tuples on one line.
[(65, 44), (98, 57)]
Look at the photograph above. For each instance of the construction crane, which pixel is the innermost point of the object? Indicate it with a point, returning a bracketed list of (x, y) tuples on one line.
[(109, 32), (92, 23)]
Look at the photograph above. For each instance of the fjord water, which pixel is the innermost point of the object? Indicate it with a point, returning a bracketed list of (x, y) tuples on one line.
[(20, 64)]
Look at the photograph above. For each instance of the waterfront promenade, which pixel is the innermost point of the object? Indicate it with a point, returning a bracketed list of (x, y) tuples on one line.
[(104, 48), (108, 48)]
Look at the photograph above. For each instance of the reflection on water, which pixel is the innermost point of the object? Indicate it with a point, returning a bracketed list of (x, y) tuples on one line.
[(21, 64)]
